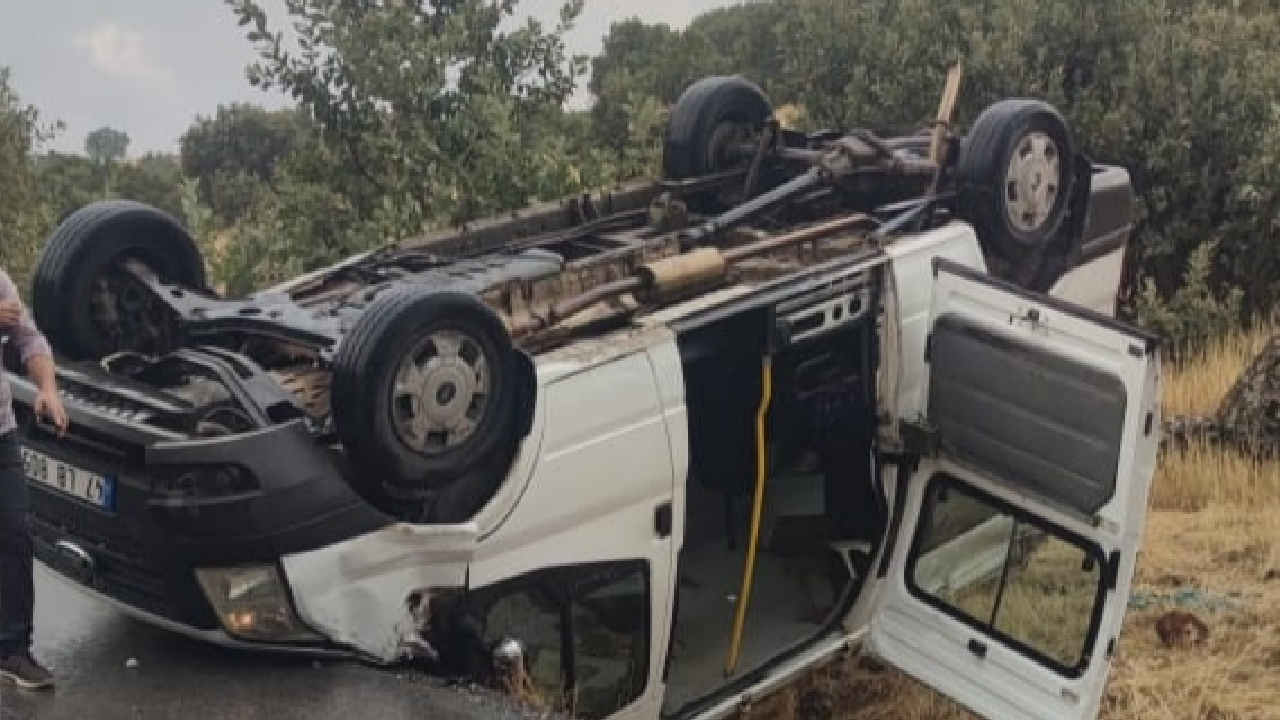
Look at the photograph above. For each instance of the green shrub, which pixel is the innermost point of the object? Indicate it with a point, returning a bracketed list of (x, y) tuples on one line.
[(1180, 92)]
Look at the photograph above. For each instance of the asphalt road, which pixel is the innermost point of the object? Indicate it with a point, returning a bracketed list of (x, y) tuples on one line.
[(89, 645)]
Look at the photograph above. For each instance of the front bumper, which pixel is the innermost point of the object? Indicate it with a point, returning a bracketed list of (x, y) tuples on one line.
[(141, 555), (216, 637)]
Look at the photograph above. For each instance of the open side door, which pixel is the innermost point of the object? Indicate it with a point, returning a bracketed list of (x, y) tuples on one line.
[(1009, 576)]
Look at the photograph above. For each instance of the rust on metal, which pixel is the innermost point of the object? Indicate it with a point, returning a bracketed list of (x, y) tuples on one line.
[(695, 268), (678, 271)]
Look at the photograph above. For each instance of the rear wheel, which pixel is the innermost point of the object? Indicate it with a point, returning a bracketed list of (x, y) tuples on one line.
[(84, 299), (426, 391), (713, 116), (1014, 177)]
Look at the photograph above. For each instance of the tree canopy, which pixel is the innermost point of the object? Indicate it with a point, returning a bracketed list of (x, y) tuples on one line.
[(106, 145)]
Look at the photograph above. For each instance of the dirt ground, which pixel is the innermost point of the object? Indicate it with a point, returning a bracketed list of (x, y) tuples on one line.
[(1212, 549)]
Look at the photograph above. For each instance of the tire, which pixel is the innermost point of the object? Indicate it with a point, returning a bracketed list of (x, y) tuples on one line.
[(84, 249), (699, 121), (394, 327), (982, 173)]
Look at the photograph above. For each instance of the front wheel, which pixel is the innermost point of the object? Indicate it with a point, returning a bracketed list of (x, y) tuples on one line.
[(83, 298), (426, 389)]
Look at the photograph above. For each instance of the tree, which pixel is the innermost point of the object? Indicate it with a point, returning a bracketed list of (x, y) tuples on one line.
[(235, 153), (155, 179), (23, 218), (240, 137), (1180, 92), (426, 109), (67, 181), (638, 63), (642, 63), (106, 145), (746, 42), (423, 112), (653, 55)]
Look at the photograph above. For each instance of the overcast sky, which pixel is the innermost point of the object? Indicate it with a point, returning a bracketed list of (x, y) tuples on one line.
[(148, 67)]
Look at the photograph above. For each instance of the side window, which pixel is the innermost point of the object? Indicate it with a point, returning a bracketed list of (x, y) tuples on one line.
[(533, 619), (1036, 588), (583, 630), (611, 644)]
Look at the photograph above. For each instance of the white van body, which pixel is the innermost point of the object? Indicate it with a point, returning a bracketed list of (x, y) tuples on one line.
[(610, 445), (646, 453)]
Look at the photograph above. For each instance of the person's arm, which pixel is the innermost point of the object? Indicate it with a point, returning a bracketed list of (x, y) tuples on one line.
[(33, 349), (40, 369), (36, 356)]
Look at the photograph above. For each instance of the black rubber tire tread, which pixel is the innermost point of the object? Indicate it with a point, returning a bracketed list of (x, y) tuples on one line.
[(364, 369), (699, 110), (983, 162), (86, 242)]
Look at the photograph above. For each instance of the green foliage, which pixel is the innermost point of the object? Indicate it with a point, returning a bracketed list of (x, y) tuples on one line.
[(649, 55), (23, 218), (155, 179), (745, 41), (234, 153), (419, 113), (435, 111), (639, 62), (1197, 311), (1180, 92), (641, 151), (106, 145), (67, 182)]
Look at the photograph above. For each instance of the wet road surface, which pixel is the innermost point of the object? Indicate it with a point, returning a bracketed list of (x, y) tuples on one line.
[(88, 645)]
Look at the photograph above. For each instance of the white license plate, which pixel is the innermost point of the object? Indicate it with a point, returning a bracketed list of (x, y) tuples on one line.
[(91, 487)]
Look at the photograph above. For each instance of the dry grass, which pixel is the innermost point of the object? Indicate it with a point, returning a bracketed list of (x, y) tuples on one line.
[(1196, 386), (1212, 548)]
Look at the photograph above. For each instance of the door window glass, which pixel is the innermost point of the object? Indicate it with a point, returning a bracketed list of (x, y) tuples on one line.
[(583, 631), (1036, 588)]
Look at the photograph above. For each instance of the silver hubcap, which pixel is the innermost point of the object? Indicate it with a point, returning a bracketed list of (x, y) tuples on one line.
[(440, 392), (1031, 183)]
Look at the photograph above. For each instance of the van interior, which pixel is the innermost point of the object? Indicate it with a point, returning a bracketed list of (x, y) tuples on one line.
[(820, 516)]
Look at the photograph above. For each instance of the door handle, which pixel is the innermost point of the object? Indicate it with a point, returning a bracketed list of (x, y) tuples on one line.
[(662, 520)]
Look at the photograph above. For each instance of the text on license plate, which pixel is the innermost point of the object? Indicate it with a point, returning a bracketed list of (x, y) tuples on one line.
[(88, 486)]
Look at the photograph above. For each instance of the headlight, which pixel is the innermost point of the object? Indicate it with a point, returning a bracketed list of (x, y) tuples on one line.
[(252, 604)]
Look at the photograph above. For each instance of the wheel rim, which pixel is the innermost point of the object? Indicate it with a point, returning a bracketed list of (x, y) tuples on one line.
[(124, 311), (729, 133), (440, 393), (1031, 182)]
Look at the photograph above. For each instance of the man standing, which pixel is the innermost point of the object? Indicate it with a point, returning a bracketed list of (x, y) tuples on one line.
[(17, 570)]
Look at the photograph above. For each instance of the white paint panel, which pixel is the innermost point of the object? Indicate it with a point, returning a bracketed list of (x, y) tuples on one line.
[(606, 444), (932, 646), (605, 452), (1094, 284), (911, 262), (615, 443), (355, 592)]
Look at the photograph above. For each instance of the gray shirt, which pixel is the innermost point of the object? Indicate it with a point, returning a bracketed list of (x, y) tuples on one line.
[(29, 342)]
